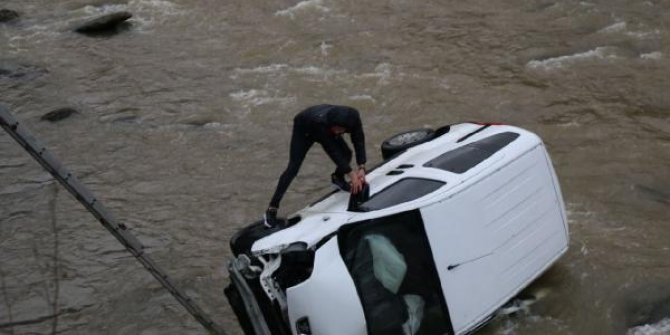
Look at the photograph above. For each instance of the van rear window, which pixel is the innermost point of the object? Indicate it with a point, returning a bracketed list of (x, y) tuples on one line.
[(468, 156), (404, 190)]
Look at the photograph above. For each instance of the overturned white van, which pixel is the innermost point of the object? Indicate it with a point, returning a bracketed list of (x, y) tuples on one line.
[(457, 222)]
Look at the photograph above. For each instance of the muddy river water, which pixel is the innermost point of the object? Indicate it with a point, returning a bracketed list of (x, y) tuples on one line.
[(183, 122)]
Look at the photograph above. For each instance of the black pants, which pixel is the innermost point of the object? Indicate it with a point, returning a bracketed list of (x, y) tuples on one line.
[(300, 144)]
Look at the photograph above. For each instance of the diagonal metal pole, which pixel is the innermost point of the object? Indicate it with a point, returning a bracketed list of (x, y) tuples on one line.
[(49, 162)]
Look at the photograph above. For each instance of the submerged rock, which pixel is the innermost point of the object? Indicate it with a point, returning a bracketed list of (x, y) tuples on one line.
[(653, 193), (196, 120), (58, 114), (107, 23), (7, 15), (20, 71), (646, 304)]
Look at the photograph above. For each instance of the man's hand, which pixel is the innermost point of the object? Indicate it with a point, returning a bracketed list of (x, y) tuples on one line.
[(361, 174), (356, 185), (357, 180)]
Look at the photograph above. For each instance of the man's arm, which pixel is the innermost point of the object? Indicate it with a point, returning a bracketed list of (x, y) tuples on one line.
[(358, 140), (330, 147), (357, 176)]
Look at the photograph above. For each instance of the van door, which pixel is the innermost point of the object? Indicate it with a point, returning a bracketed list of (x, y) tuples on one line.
[(495, 236)]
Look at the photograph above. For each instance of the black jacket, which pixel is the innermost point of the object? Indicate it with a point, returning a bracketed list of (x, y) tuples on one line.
[(316, 122)]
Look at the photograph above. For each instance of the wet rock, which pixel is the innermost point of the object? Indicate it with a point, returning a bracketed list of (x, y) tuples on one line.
[(7, 15), (20, 71), (649, 312), (58, 114), (653, 193), (641, 305), (108, 23), (196, 120)]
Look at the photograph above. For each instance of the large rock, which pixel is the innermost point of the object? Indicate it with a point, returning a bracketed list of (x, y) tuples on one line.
[(7, 15), (103, 24), (14, 70), (58, 114)]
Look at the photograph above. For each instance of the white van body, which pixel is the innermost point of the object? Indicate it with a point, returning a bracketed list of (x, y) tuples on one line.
[(492, 215)]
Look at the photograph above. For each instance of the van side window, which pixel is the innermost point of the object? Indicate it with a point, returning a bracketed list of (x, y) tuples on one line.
[(468, 156), (392, 266), (404, 190)]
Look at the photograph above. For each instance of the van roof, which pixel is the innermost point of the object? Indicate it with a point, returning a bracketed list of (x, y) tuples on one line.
[(450, 162)]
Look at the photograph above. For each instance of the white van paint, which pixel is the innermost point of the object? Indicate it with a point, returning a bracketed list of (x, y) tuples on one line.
[(496, 234), (338, 309)]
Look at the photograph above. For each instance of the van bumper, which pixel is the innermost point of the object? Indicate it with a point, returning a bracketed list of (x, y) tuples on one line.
[(243, 301)]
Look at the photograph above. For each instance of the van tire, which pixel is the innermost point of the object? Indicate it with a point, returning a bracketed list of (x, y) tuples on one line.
[(405, 140)]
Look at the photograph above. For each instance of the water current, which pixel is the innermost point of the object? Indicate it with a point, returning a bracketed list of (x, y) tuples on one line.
[(184, 120)]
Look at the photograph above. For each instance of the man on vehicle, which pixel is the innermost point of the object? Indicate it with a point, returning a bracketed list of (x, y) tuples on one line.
[(323, 124)]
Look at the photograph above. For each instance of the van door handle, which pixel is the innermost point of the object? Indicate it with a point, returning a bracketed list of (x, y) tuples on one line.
[(453, 266)]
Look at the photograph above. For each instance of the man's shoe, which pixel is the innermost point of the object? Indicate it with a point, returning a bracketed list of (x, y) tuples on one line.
[(270, 218), (340, 182)]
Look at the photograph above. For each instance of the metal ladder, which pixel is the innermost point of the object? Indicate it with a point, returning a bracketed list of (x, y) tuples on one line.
[(49, 162)]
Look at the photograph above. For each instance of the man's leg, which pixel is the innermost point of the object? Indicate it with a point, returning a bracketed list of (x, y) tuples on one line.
[(300, 144)]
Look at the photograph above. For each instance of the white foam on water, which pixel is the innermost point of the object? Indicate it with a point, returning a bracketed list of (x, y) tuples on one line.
[(622, 27), (215, 125), (572, 123), (255, 98), (444, 83), (562, 61), (273, 68), (383, 72), (584, 250), (656, 55), (660, 328), (523, 305), (643, 34), (303, 6), (362, 97), (284, 69), (311, 70), (19, 42), (152, 7), (247, 95), (324, 48), (155, 7), (317, 71), (104, 9), (616, 27)]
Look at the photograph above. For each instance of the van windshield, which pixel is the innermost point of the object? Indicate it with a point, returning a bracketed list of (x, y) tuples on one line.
[(390, 262), (468, 156), (404, 190)]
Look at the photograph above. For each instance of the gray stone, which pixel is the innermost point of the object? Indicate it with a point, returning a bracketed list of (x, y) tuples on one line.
[(103, 24), (58, 114), (7, 15), (12, 70), (654, 193)]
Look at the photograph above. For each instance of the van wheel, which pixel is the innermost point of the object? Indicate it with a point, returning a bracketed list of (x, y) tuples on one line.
[(403, 141)]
